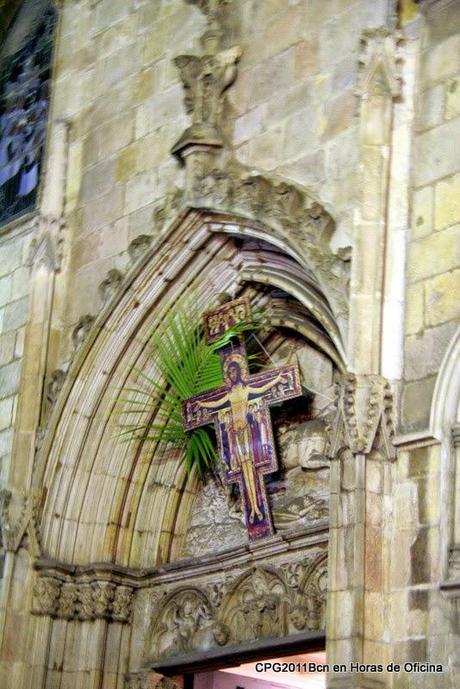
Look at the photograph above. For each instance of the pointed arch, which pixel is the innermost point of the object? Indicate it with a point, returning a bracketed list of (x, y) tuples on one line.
[(96, 490)]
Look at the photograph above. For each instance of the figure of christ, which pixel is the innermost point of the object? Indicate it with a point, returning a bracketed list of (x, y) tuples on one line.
[(237, 401)]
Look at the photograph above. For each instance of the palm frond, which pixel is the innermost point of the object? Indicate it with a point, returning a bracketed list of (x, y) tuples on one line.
[(187, 365)]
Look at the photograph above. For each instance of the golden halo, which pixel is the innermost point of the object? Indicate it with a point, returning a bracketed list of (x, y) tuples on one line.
[(236, 359)]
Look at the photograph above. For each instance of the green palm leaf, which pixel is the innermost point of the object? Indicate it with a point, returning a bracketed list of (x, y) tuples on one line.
[(187, 366)]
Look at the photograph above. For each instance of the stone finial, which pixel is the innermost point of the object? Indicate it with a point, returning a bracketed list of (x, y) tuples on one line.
[(364, 407), (379, 62)]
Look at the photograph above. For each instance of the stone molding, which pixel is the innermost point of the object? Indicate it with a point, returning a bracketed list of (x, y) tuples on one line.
[(364, 407), (236, 191), (19, 520)]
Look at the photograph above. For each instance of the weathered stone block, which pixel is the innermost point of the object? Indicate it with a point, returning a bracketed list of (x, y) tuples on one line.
[(306, 57), (19, 342), (6, 441), (300, 132), (422, 212), (339, 114), (9, 379), (431, 108), (6, 347), (416, 403), (424, 352), (6, 412), (20, 287), (97, 180), (429, 500), (447, 202), (434, 254), (103, 210), (414, 308), (15, 314), (441, 298), (249, 125), (10, 257), (453, 98), (265, 149), (442, 61), (435, 156), (5, 289)]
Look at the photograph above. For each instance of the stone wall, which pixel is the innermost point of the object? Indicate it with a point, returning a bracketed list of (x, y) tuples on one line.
[(14, 290), (292, 112), (433, 277)]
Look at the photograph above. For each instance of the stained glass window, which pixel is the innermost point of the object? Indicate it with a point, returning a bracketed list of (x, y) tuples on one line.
[(25, 62)]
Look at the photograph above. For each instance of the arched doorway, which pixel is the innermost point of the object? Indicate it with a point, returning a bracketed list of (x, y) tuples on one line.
[(169, 587)]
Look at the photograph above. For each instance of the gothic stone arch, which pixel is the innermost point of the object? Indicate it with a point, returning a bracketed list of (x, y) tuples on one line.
[(107, 502)]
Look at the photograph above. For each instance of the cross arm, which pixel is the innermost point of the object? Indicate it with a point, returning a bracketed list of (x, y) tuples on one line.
[(279, 384), (198, 410)]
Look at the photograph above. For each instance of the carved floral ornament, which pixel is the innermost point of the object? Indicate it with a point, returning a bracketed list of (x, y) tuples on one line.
[(364, 416), (261, 603), (69, 600)]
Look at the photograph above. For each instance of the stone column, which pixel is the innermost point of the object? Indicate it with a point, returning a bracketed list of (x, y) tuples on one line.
[(361, 448), (379, 85)]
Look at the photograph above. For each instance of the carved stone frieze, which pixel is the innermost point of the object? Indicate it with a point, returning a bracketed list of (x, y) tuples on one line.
[(19, 521), (260, 602), (61, 597), (151, 680), (364, 415)]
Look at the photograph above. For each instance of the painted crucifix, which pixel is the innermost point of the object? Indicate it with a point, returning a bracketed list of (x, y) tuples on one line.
[(240, 412)]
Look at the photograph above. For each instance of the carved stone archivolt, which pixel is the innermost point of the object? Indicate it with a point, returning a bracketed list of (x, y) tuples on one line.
[(261, 603)]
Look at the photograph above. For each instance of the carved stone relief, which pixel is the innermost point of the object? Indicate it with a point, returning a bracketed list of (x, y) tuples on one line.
[(263, 602)]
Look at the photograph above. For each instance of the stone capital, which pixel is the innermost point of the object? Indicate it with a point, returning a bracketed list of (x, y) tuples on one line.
[(19, 521), (364, 413), (379, 73)]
